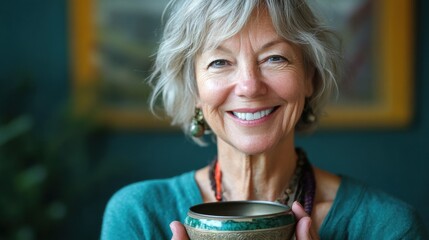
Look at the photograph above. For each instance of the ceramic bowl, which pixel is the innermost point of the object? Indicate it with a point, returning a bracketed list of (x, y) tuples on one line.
[(240, 220)]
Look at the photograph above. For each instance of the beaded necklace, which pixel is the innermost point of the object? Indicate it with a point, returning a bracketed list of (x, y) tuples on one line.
[(301, 187)]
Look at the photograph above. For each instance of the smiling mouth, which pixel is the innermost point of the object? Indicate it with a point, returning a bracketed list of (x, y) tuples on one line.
[(246, 116)]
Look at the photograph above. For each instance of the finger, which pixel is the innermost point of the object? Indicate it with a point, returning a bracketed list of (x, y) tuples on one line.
[(302, 231), (305, 230), (178, 230), (298, 210)]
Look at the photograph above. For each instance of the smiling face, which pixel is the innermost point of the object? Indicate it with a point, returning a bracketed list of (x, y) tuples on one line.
[(252, 87)]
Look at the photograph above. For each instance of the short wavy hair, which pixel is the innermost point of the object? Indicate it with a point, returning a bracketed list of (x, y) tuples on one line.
[(192, 25)]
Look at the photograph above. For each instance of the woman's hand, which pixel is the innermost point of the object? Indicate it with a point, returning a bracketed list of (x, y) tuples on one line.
[(303, 230), (178, 230)]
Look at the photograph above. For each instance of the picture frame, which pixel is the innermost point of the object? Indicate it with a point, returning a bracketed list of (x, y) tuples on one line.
[(386, 100), (392, 46)]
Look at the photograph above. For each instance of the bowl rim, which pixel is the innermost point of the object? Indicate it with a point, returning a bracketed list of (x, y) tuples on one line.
[(196, 215)]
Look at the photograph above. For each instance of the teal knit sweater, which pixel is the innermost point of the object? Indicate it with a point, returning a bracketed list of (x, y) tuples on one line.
[(144, 210)]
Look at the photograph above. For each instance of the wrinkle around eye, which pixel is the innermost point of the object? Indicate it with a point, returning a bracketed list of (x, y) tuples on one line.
[(219, 63), (275, 62), (277, 59)]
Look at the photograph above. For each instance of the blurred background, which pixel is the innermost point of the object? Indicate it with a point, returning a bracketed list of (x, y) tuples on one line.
[(71, 135)]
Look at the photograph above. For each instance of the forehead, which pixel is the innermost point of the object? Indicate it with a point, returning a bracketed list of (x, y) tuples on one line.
[(259, 22)]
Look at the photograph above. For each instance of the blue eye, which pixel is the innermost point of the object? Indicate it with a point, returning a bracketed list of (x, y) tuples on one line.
[(218, 63), (276, 59)]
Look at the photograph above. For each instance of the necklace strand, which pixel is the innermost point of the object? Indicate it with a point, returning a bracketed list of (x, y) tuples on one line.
[(301, 187)]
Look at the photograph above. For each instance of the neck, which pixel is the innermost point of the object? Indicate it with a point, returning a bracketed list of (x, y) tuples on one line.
[(256, 177)]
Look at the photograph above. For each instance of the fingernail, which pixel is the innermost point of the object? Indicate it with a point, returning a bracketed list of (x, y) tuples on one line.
[(299, 204), (172, 227)]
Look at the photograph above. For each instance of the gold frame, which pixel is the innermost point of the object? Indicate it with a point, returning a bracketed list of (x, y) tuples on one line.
[(394, 109)]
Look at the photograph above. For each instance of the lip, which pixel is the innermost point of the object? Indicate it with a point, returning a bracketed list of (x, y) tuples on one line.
[(254, 116)]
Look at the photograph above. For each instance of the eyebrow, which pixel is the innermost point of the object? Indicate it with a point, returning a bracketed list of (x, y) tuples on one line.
[(272, 43), (223, 49), (265, 46)]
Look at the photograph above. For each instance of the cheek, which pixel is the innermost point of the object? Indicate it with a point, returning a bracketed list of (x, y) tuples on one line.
[(212, 93), (289, 88)]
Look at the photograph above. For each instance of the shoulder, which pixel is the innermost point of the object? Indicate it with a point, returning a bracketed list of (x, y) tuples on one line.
[(369, 200), (156, 188), (363, 211), (139, 210), (143, 192)]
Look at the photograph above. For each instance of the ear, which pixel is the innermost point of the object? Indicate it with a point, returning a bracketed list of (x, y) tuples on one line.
[(309, 82), (198, 103)]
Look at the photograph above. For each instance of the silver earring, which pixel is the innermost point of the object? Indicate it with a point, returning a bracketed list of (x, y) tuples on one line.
[(198, 125)]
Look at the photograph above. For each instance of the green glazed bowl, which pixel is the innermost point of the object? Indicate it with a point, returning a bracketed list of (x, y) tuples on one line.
[(240, 220)]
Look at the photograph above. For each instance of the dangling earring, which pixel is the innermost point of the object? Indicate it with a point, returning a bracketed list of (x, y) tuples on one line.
[(198, 125), (308, 115)]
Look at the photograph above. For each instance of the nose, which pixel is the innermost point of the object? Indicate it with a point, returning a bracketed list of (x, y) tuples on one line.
[(249, 82)]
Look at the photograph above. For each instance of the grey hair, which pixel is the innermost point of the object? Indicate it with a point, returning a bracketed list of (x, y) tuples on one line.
[(195, 24)]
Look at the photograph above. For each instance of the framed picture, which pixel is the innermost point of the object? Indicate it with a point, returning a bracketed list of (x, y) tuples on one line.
[(376, 90), (113, 42)]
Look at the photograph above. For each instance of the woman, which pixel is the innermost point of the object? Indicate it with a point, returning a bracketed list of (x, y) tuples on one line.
[(253, 73)]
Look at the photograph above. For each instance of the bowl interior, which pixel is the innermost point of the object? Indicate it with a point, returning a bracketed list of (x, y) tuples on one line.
[(238, 209)]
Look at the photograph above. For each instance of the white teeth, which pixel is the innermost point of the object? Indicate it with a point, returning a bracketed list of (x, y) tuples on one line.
[(253, 116)]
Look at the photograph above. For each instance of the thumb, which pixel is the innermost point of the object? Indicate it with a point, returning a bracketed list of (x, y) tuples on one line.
[(178, 230), (303, 226), (303, 229)]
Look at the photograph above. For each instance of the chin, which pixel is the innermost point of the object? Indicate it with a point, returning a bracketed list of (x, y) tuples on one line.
[(253, 148)]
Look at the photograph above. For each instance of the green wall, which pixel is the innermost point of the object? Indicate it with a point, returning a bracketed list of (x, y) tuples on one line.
[(35, 80)]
